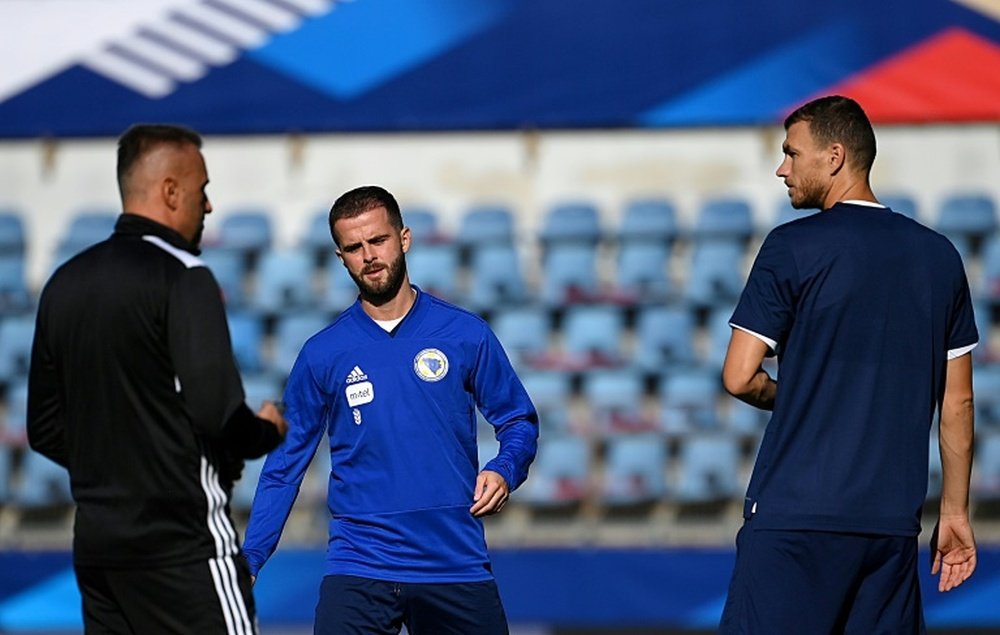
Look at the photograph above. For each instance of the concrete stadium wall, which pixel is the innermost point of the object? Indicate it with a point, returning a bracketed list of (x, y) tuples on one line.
[(50, 180)]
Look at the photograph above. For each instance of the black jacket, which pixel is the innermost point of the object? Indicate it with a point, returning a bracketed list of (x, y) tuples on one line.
[(134, 389)]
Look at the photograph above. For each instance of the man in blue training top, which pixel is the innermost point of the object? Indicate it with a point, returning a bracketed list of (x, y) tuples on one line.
[(395, 382), (870, 316)]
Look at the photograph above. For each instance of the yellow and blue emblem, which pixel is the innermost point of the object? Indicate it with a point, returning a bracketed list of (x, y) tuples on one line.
[(430, 364)]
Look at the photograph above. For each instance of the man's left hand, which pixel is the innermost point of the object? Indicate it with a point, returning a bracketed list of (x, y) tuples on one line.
[(491, 494)]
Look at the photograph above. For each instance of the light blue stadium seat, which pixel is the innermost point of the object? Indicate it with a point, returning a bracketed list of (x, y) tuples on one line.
[(434, 268), (689, 401), (15, 430), (724, 218), (246, 230), (560, 474), (614, 399), (246, 330), (571, 222), (935, 472), (664, 338), (316, 239), (424, 224), (16, 335), (86, 228), (715, 275), (339, 289), (14, 293), (6, 472), (786, 213), (634, 470), (641, 275), (12, 234), (901, 203), (42, 483), (986, 387), (495, 277), (569, 274), (719, 334), (284, 282), (245, 488), (592, 334), (986, 470), (967, 217), (550, 391), (523, 331), (988, 286), (261, 387), (228, 268), (486, 224), (648, 220), (744, 420), (709, 468), (291, 332), (985, 351)]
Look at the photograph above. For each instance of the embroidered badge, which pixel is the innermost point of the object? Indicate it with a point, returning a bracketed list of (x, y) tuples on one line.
[(430, 364)]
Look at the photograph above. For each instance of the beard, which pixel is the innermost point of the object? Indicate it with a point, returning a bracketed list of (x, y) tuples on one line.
[(808, 194), (380, 292)]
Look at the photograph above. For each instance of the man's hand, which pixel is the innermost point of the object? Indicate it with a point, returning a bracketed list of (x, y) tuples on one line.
[(490, 495), (953, 551), (270, 412)]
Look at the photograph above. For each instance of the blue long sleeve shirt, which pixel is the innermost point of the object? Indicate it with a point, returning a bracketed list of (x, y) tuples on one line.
[(400, 412)]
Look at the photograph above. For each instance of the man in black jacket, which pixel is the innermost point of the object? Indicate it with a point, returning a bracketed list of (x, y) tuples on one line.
[(133, 388)]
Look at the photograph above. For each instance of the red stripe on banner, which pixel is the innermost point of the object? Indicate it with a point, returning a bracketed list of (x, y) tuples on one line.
[(953, 76)]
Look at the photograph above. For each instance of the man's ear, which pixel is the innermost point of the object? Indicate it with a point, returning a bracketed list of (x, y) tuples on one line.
[(837, 157), (170, 192), (404, 239)]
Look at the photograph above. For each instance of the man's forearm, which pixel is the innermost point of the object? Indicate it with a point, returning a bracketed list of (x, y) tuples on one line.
[(759, 391), (957, 440)]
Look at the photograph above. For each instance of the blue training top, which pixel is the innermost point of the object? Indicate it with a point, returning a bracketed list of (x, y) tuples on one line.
[(864, 307), (400, 411)]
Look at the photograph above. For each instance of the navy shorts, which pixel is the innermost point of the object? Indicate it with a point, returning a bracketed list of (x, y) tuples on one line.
[(823, 582), (349, 605)]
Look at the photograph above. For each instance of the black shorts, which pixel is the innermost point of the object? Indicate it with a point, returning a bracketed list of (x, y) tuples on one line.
[(209, 597), (350, 605)]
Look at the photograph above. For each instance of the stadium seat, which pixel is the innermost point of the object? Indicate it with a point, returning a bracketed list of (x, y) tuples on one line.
[(786, 213), (15, 430), (641, 275), (86, 228), (283, 282), (42, 484), (719, 333), (715, 275), (12, 234), (486, 224), (6, 473), (339, 290), (550, 392), (726, 219), (708, 468), (648, 220), (689, 400), (495, 278), (986, 387), (434, 268), (569, 274), (900, 203), (987, 286), (246, 330), (935, 472), (592, 335), (560, 474), (986, 472), (634, 470), (967, 217), (614, 399), (16, 335), (261, 387), (423, 224), (523, 331), (744, 420), (316, 239), (227, 265), (14, 293), (245, 488), (575, 223), (291, 332), (247, 231), (664, 338)]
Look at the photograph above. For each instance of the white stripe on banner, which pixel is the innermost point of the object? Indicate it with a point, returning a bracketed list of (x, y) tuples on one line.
[(243, 33), (124, 71), (275, 17), (213, 50), (180, 66)]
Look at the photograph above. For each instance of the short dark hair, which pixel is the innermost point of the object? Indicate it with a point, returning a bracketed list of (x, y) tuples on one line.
[(140, 138), (838, 119), (363, 199)]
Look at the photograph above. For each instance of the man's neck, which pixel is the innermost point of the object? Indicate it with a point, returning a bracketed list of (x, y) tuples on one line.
[(392, 309)]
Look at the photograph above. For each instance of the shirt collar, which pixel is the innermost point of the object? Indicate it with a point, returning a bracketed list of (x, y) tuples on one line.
[(136, 225)]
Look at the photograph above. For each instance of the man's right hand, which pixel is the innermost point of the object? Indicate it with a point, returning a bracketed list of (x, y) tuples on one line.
[(270, 412)]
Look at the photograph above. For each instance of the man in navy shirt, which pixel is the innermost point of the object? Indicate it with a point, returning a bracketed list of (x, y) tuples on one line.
[(870, 316), (395, 382)]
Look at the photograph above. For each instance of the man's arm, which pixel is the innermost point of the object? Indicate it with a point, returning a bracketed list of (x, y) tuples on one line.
[(742, 373), (46, 425), (953, 545)]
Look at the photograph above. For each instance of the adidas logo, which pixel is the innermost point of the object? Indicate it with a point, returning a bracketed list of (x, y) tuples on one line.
[(356, 375)]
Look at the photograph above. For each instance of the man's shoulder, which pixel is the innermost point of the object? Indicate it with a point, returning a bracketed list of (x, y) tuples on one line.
[(446, 311)]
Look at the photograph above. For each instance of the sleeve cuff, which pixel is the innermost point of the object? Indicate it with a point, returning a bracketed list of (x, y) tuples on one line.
[(962, 350), (773, 345)]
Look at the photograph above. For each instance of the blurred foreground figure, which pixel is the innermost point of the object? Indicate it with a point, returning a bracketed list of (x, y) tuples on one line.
[(869, 314), (133, 388)]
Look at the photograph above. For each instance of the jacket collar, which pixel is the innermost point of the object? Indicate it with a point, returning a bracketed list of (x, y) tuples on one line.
[(135, 225)]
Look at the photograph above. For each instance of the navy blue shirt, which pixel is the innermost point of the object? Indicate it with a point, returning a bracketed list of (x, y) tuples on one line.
[(863, 307)]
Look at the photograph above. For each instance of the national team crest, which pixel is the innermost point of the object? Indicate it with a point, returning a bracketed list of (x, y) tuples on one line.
[(430, 364)]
